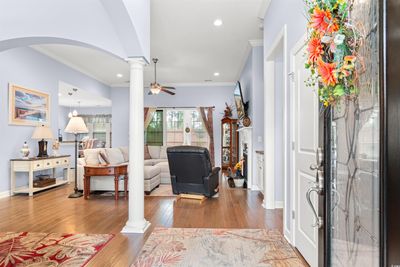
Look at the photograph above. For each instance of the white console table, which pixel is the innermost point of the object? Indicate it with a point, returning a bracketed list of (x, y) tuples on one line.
[(38, 164)]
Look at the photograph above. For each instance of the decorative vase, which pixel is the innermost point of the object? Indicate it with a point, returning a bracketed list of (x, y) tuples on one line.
[(25, 151), (239, 182)]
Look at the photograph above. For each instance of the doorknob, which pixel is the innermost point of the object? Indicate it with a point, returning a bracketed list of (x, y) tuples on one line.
[(318, 219)]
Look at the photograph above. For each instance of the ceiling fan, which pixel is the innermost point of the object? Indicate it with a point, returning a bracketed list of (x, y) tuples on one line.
[(156, 88)]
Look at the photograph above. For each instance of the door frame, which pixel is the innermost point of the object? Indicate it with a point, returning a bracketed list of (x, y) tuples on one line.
[(296, 48), (269, 127)]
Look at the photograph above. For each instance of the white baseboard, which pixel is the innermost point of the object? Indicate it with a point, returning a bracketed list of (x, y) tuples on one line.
[(278, 204), (5, 194)]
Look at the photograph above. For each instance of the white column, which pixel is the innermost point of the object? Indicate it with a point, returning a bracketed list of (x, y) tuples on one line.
[(136, 222), (269, 135)]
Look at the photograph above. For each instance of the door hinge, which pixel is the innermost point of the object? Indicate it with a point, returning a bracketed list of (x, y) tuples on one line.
[(293, 214), (293, 145)]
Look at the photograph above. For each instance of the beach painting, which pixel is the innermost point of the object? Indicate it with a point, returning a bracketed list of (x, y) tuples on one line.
[(28, 106)]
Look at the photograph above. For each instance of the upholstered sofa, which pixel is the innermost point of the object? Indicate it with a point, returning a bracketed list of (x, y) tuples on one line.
[(156, 168)]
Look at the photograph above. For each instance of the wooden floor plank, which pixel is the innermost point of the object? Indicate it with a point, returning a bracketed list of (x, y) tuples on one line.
[(53, 211)]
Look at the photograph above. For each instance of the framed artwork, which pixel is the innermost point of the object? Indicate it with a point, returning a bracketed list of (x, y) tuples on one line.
[(28, 106)]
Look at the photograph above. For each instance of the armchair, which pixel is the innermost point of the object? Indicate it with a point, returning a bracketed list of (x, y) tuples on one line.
[(191, 171)]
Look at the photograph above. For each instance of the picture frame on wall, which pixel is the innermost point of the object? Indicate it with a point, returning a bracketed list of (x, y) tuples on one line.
[(28, 107)]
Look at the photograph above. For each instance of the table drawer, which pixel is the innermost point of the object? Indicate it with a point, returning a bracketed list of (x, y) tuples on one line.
[(60, 161), (48, 163), (37, 165), (99, 171)]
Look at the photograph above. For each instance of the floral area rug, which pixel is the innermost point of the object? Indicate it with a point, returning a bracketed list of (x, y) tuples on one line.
[(216, 247), (41, 249)]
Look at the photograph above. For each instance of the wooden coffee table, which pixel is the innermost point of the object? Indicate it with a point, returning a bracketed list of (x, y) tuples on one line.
[(115, 171)]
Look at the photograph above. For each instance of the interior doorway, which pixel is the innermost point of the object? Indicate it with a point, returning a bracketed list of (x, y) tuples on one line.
[(277, 187)]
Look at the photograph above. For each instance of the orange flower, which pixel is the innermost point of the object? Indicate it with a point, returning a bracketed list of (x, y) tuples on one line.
[(333, 26), (320, 19), (327, 72), (314, 49)]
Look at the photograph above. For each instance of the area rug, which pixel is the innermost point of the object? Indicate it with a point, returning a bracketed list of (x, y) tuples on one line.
[(216, 247), (41, 249), (163, 190)]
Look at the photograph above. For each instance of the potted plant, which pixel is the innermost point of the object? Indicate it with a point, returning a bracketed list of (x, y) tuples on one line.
[(239, 179)]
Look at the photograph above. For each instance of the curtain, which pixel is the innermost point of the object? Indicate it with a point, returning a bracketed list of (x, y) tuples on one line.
[(208, 123), (148, 115)]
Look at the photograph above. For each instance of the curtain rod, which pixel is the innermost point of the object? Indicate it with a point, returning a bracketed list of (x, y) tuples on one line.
[(180, 107)]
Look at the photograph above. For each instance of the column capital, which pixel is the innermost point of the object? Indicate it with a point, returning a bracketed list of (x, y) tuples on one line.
[(136, 61)]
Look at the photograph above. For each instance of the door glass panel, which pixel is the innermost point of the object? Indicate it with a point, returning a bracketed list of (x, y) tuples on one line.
[(354, 212)]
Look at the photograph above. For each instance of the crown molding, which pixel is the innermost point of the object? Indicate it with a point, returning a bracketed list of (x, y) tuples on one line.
[(249, 47), (201, 84), (67, 63), (263, 9)]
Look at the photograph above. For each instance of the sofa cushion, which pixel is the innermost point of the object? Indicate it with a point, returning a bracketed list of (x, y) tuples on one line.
[(146, 152), (163, 166), (125, 153), (92, 156), (151, 171), (115, 156), (154, 152), (148, 162), (163, 152)]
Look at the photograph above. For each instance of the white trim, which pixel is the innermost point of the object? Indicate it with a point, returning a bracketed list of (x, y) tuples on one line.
[(5, 194), (256, 42), (67, 63), (296, 48)]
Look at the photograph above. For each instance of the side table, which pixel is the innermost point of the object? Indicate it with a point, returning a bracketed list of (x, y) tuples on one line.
[(115, 171)]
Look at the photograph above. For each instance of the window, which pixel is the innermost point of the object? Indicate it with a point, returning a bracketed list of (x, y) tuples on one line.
[(99, 127), (167, 127), (175, 122), (199, 134), (154, 133)]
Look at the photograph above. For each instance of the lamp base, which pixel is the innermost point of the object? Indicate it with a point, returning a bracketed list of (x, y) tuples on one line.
[(42, 149), (75, 195)]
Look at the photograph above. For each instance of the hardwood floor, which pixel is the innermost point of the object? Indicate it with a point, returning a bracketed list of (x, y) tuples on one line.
[(52, 211)]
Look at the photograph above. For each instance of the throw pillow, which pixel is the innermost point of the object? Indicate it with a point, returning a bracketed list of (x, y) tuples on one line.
[(115, 156), (92, 156), (125, 153), (154, 152), (146, 152), (103, 159)]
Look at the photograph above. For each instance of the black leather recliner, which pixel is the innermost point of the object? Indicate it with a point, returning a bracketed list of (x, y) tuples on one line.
[(191, 171)]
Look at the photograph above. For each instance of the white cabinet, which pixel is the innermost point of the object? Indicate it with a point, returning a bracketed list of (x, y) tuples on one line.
[(259, 181)]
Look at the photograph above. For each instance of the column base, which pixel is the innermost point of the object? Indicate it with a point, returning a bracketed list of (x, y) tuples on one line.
[(268, 206), (136, 227)]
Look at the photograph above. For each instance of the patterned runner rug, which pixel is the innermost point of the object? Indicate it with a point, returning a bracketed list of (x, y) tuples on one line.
[(216, 247), (41, 249)]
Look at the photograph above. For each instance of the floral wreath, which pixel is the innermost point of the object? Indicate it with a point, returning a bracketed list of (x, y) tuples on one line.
[(332, 46)]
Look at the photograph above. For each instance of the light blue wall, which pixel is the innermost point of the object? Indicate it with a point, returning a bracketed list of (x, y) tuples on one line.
[(26, 67), (277, 15), (252, 82), (185, 97)]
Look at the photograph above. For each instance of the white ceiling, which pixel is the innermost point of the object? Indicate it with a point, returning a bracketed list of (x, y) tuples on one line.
[(189, 47), (80, 97)]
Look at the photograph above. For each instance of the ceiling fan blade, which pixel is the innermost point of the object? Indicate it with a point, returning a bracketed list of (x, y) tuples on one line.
[(169, 87), (167, 91)]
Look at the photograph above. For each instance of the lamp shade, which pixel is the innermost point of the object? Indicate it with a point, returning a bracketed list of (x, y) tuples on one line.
[(76, 125), (42, 132)]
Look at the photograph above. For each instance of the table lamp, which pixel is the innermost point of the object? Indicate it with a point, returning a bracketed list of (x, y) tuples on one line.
[(76, 126), (41, 133)]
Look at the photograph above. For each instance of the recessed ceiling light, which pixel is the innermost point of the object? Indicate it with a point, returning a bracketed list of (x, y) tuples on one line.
[(217, 22), (119, 75), (216, 73), (59, 94)]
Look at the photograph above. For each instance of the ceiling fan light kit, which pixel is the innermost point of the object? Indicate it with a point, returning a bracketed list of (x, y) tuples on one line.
[(156, 88)]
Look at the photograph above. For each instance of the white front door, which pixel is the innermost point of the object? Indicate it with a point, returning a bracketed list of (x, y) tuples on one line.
[(305, 121)]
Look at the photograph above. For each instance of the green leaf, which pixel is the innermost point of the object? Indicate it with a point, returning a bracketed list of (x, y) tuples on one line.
[(339, 90)]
